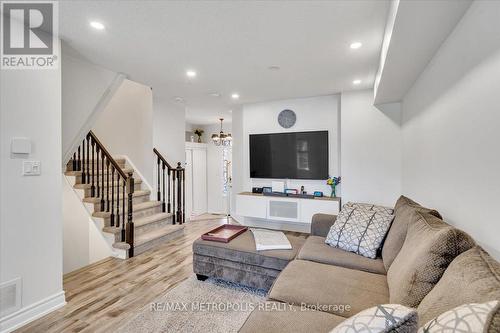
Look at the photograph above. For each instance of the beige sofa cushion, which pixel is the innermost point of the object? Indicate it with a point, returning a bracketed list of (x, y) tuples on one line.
[(284, 318), (315, 249), (328, 288), (430, 246), (404, 212), (473, 277)]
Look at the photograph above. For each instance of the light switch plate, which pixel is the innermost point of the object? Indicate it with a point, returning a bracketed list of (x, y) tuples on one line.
[(31, 168), (20, 146)]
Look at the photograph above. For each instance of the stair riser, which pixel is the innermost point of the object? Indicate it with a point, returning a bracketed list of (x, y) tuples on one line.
[(88, 191), (137, 214), (158, 241), (135, 200), (78, 179), (69, 167), (139, 230)]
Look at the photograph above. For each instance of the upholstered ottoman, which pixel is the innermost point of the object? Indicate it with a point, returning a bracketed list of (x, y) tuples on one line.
[(238, 261)]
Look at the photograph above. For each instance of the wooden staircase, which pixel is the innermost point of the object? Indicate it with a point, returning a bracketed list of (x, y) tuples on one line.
[(120, 203)]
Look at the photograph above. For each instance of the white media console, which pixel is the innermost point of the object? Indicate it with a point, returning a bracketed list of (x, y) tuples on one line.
[(276, 210)]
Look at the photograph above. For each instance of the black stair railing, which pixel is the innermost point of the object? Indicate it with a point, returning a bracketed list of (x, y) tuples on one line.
[(106, 178), (170, 188)]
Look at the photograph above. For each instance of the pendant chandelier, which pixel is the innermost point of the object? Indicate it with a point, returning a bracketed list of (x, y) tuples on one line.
[(222, 139)]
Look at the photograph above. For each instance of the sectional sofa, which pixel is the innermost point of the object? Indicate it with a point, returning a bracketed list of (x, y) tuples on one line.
[(424, 263)]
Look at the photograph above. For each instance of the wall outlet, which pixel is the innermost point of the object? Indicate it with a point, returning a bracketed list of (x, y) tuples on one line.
[(31, 168)]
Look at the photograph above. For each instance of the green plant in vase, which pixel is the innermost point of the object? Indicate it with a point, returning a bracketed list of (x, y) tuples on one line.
[(199, 132), (333, 182)]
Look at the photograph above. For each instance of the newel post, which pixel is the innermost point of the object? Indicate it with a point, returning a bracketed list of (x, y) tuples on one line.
[(179, 193)]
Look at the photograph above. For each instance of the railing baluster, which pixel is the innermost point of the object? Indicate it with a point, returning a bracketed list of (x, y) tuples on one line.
[(79, 164), (169, 206), (158, 194), (123, 212), (173, 196), (163, 183), (118, 200), (102, 178), (130, 224), (112, 217), (83, 163), (88, 161), (107, 182), (92, 187), (97, 175), (73, 167)]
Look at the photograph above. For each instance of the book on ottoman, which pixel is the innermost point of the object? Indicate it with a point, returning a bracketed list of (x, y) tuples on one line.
[(270, 240)]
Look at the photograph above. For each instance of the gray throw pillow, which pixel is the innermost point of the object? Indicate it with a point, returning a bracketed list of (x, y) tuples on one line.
[(359, 231), (387, 318), (367, 206), (467, 318)]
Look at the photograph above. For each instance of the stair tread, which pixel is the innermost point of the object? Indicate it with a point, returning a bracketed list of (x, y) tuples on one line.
[(157, 233), (78, 173), (137, 193), (150, 219), (120, 182), (135, 208)]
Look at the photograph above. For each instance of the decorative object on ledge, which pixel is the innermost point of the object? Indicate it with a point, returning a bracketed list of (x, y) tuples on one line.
[(287, 118), (199, 132), (221, 138), (333, 182)]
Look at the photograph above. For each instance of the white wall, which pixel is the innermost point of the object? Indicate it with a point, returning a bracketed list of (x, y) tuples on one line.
[(313, 114), (169, 130), (125, 126), (450, 128), (83, 85), (30, 207), (370, 150)]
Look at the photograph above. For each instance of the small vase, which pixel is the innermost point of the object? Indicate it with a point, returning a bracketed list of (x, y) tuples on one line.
[(199, 139), (334, 193)]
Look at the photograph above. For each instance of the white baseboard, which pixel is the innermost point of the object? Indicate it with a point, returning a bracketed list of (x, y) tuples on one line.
[(31, 312)]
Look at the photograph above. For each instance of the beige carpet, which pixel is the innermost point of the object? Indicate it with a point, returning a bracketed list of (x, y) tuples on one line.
[(195, 306)]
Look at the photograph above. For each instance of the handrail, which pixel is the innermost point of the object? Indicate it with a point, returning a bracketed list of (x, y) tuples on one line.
[(160, 156), (108, 155), (171, 188)]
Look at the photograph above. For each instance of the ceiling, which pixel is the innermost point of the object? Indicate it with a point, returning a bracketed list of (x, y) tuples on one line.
[(231, 46)]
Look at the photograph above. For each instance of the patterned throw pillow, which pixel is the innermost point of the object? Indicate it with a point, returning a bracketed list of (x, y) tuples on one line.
[(366, 206), (387, 318), (359, 231), (467, 318)]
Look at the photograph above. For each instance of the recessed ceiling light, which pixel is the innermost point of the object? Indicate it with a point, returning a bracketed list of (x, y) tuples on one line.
[(215, 94), (274, 68), (356, 82), (356, 45), (191, 73), (179, 99), (97, 25), (235, 96)]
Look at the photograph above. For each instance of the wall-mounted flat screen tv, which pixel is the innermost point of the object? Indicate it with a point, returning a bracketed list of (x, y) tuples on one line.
[(295, 155)]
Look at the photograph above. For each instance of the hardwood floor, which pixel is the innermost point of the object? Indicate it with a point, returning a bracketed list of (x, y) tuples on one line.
[(100, 297)]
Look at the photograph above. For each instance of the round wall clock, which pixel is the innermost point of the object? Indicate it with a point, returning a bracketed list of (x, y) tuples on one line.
[(287, 118)]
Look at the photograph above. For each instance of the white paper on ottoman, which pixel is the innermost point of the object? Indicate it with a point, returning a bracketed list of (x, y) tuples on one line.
[(270, 240)]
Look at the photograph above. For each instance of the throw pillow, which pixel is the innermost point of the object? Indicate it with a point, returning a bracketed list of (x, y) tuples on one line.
[(467, 318), (366, 206), (387, 318), (359, 231)]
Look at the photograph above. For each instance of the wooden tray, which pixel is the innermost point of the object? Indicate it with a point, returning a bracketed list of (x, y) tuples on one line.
[(224, 233)]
